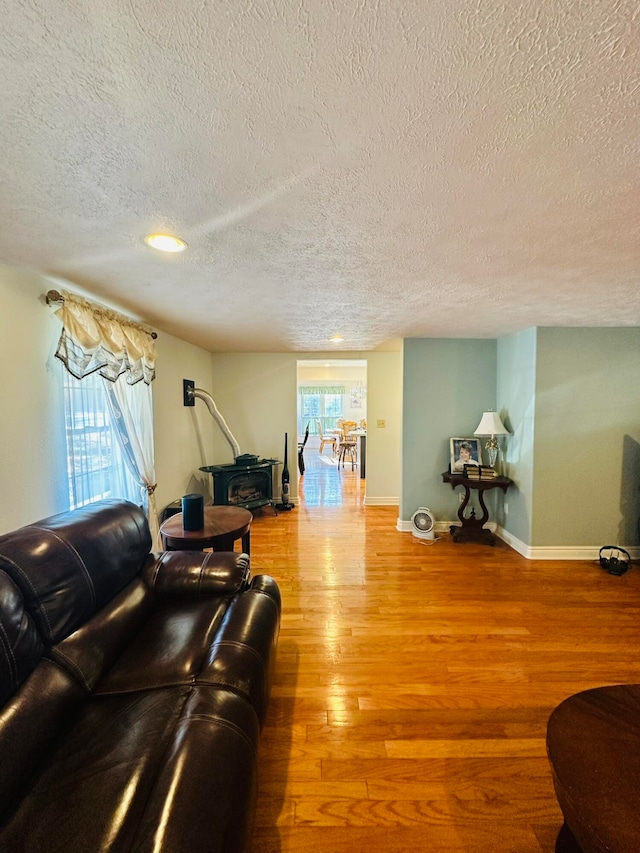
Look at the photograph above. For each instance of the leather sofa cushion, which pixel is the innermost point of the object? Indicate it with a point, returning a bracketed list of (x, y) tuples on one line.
[(170, 647), (145, 771), (70, 565), (208, 781), (90, 652), (132, 644), (158, 630)]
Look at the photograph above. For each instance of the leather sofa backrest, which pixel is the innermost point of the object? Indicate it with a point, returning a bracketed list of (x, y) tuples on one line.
[(70, 565), (37, 697), (20, 646), (92, 649)]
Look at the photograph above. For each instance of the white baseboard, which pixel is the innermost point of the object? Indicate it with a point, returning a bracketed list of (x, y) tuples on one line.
[(559, 552), (439, 527), (381, 501), (546, 552)]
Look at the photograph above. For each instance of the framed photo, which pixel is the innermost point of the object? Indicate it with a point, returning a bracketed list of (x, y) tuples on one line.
[(464, 451)]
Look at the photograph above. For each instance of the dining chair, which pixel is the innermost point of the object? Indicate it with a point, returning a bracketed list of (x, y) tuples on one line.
[(326, 439), (348, 446), (301, 445)]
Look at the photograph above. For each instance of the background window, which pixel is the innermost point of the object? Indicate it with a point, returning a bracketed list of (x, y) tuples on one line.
[(95, 465), (318, 404)]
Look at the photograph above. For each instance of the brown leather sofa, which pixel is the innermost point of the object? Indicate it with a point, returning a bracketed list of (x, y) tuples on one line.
[(133, 687)]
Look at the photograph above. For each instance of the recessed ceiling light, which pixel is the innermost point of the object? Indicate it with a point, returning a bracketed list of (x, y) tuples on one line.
[(336, 339), (165, 243)]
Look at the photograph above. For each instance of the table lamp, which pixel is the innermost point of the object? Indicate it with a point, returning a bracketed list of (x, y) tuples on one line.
[(491, 425)]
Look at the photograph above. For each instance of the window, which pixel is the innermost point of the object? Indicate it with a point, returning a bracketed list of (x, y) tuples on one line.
[(318, 403), (95, 465)]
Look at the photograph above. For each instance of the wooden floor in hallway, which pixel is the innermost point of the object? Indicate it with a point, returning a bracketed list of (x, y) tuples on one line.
[(414, 679)]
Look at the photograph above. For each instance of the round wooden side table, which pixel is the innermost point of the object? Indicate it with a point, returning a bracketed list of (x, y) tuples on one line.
[(593, 743), (222, 526)]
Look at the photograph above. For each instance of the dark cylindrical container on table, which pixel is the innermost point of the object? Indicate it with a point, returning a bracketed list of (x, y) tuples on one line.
[(192, 512)]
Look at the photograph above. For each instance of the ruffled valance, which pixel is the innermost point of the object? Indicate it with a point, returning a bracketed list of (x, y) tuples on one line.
[(308, 390), (95, 339)]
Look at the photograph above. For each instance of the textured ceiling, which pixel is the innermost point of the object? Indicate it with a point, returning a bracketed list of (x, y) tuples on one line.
[(375, 169)]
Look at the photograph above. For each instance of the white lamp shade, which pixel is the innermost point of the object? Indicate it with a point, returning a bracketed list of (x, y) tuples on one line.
[(490, 424)]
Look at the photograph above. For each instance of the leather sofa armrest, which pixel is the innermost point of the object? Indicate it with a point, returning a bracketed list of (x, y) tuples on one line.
[(267, 585), (196, 574)]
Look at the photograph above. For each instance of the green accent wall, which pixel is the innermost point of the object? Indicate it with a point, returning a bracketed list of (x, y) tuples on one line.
[(516, 384), (586, 454), (570, 400), (447, 384)]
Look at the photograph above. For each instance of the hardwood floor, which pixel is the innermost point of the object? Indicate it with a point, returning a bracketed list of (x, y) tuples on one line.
[(414, 680)]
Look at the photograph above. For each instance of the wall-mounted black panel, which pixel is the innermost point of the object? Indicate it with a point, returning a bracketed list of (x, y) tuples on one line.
[(188, 386)]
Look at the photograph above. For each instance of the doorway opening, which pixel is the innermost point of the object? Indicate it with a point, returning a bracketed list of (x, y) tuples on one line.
[(332, 403)]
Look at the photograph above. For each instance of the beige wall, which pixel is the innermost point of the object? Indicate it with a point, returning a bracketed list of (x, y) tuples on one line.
[(32, 440), (183, 435), (384, 443), (336, 374), (256, 394)]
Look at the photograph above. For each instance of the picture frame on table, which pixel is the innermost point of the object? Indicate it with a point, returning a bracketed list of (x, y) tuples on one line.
[(464, 451)]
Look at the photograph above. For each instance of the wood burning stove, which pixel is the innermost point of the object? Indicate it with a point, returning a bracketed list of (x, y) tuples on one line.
[(248, 484)]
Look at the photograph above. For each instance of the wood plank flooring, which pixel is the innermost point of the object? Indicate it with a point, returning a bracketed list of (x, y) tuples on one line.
[(414, 680)]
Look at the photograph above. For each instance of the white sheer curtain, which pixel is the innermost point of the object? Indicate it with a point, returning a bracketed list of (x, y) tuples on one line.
[(97, 340), (131, 409), (95, 461)]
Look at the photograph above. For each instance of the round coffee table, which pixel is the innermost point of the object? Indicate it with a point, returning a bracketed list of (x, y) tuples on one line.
[(593, 739), (222, 526)]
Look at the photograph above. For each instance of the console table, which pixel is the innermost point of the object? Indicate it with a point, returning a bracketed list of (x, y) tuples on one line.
[(473, 528)]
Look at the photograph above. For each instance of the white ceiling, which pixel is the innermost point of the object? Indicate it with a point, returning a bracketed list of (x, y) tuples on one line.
[(375, 169)]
